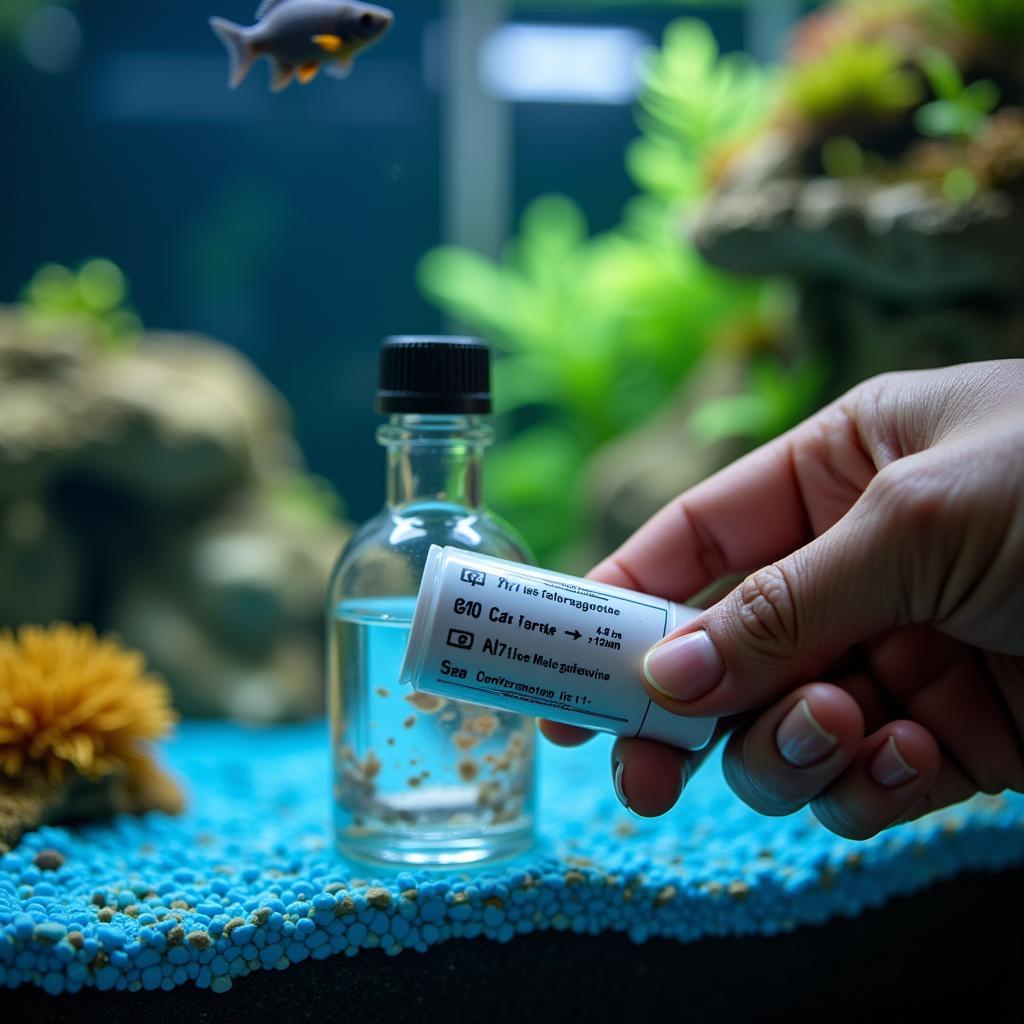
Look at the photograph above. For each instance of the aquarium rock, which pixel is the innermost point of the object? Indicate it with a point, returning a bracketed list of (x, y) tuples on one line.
[(156, 489), (889, 274)]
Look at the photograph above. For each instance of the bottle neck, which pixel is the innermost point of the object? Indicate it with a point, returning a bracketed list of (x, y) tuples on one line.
[(435, 458)]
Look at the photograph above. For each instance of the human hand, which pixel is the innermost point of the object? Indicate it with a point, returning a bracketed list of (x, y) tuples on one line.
[(874, 667)]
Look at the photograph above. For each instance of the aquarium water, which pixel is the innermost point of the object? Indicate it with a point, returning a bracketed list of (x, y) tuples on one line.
[(420, 777)]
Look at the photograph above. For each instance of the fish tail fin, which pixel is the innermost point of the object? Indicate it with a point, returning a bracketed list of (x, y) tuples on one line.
[(236, 43)]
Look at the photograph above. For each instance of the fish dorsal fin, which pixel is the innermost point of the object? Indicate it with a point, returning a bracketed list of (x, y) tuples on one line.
[(266, 6)]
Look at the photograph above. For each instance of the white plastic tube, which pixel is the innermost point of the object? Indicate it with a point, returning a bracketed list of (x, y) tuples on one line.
[(527, 640)]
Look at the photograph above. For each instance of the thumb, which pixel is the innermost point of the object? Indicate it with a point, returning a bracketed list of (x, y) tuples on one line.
[(787, 621)]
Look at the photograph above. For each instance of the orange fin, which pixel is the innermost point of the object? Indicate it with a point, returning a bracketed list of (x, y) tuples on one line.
[(281, 75), (307, 72), (332, 44)]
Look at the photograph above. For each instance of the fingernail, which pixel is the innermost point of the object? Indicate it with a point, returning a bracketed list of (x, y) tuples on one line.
[(617, 784), (685, 668), (801, 740), (888, 768)]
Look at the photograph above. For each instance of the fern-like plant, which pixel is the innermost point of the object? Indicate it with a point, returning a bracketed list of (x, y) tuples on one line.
[(598, 331), (695, 103)]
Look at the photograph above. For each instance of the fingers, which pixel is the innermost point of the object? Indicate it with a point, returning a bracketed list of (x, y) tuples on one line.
[(752, 512), (950, 787), (875, 704), (793, 751), (810, 748), (894, 771), (786, 622), (648, 777), (947, 687), (564, 735)]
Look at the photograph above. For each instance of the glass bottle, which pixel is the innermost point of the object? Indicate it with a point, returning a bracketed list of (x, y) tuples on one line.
[(417, 779)]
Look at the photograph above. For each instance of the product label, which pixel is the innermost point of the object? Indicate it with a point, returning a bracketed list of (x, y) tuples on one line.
[(541, 643)]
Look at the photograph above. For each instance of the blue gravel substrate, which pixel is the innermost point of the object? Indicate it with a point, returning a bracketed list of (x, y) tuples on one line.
[(246, 880)]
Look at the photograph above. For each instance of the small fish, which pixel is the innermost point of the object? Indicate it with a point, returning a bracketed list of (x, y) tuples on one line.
[(299, 37)]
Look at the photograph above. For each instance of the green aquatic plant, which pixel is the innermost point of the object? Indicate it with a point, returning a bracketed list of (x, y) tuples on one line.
[(695, 104), (583, 317), (853, 78), (888, 91), (778, 397), (959, 111), (598, 331), (843, 157), (92, 299)]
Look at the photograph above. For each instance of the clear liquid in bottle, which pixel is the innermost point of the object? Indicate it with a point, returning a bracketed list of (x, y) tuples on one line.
[(419, 779)]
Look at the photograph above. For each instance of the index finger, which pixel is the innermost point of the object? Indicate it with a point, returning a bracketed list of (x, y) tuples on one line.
[(702, 535), (759, 509)]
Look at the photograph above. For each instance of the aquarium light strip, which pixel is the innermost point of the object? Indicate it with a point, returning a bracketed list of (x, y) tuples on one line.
[(534, 63)]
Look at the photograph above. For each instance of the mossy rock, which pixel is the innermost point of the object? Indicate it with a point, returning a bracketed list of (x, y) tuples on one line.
[(140, 490), (901, 243)]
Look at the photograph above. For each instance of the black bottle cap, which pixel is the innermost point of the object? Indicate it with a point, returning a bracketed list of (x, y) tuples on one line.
[(434, 374)]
